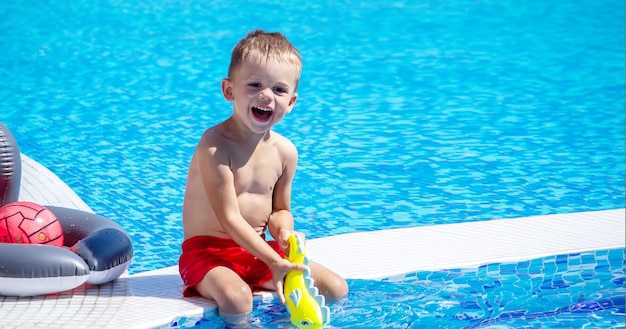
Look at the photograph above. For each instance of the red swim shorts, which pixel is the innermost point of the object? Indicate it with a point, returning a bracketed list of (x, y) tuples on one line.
[(203, 253)]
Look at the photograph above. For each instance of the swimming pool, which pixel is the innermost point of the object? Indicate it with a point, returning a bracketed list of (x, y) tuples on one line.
[(409, 113), (582, 290)]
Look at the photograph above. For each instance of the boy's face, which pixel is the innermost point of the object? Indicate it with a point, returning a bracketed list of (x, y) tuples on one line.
[(262, 93)]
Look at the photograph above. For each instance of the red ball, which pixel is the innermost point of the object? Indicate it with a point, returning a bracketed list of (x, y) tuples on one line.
[(28, 222)]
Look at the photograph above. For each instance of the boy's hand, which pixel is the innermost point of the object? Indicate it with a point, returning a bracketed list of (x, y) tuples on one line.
[(279, 271), (283, 241)]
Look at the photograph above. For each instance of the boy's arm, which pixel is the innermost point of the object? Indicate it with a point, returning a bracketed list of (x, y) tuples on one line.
[(281, 223)]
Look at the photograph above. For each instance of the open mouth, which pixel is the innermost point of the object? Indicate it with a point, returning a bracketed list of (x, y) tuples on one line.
[(262, 113)]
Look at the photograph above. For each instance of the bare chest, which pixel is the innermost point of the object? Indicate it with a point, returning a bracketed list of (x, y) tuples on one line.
[(258, 175)]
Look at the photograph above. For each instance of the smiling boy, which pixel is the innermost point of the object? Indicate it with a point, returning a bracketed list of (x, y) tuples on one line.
[(239, 185)]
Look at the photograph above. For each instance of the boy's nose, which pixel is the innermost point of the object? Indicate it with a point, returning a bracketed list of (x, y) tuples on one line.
[(265, 93)]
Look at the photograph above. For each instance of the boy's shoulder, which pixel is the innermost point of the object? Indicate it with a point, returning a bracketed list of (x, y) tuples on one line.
[(282, 141), (212, 138), (213, 132), (285, 146)]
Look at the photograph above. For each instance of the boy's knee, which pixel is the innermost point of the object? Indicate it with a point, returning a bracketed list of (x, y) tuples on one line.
[(336, 288), (235, 300)]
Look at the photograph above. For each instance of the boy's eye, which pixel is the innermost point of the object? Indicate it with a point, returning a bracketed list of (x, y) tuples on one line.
[(280, 90), (254, 84)]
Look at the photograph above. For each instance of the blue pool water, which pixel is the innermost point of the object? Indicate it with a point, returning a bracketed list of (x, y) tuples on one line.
[(410, 112), (583, 290)]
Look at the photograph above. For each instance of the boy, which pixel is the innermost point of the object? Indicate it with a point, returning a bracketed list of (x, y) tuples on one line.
[(239, 185)]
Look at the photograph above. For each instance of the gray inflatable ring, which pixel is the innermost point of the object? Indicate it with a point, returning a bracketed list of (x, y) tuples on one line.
[(99, 250)]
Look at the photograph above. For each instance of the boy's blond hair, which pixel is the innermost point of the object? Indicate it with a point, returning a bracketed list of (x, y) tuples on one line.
[(259, 46)]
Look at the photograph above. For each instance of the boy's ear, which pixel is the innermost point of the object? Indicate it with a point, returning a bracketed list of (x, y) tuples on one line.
[(227, 89), (292, 102)]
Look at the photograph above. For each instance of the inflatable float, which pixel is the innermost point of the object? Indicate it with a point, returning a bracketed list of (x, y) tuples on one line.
[(97, 250)]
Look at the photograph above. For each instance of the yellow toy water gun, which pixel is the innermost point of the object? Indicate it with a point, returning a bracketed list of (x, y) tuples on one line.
[(305, 305)]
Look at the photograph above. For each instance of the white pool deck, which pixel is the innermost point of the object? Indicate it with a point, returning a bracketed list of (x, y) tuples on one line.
[(153, 299)]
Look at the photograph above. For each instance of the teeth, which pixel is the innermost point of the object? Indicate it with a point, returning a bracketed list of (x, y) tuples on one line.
[(264, 109)]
